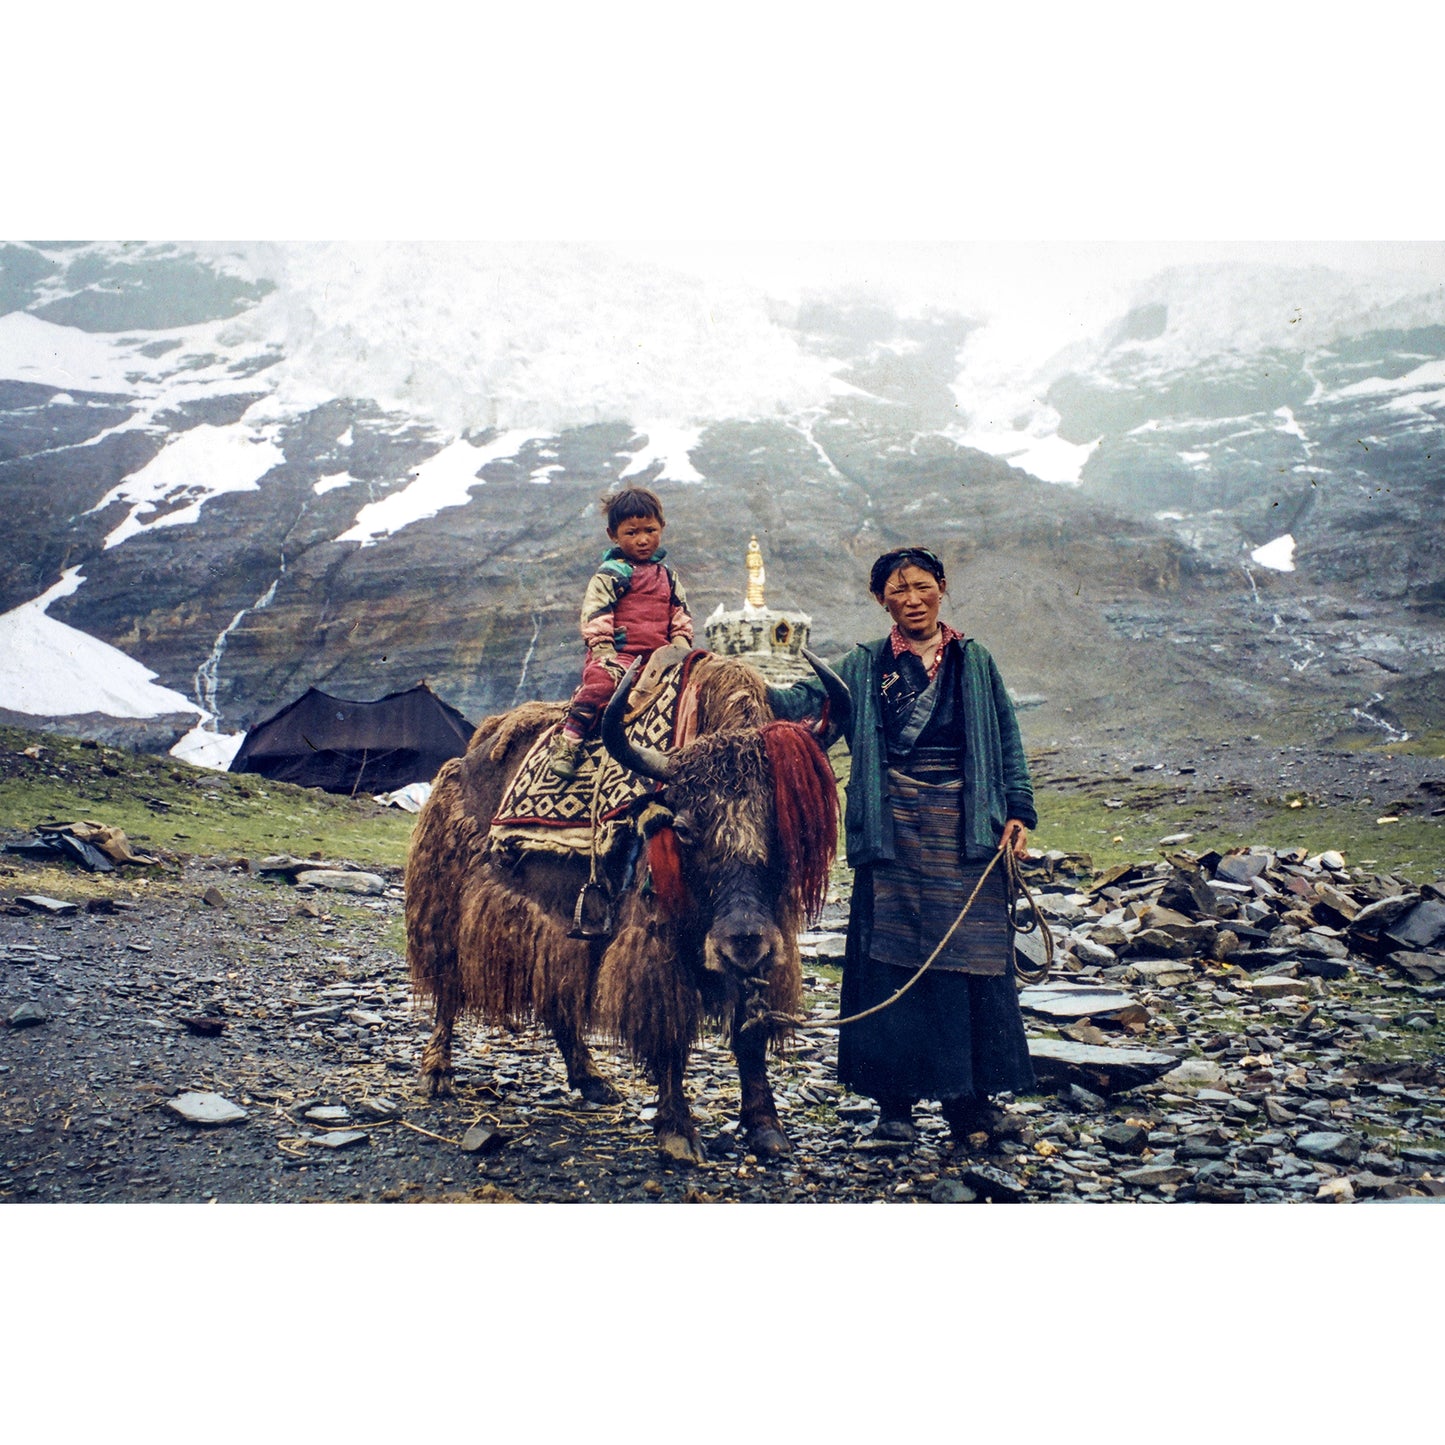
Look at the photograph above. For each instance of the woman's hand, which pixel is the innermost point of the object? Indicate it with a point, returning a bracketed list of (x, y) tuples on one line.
[(1015, 836)]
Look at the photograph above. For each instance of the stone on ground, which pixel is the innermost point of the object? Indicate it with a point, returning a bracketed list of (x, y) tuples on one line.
[(1105, 1071), (343, 881), (341, 1139), (203, 1108)]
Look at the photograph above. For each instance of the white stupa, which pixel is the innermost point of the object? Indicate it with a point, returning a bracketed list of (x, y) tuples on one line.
[(770, 640)]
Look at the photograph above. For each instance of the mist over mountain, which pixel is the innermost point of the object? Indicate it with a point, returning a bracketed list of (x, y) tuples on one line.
[(257, 468)]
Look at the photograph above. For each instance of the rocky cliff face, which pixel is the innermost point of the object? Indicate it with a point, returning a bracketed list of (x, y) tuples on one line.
[(1130, 600)]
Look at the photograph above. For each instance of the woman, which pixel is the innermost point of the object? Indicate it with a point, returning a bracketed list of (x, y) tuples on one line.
[(939, 785)]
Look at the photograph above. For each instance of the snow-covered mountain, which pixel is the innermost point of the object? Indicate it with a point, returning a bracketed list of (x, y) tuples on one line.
[(266, 466)]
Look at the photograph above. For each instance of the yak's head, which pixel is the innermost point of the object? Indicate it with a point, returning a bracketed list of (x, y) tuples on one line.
[(741, 833)]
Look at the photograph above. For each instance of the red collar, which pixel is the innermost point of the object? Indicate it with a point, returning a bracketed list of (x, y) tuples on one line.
[(900, 644)]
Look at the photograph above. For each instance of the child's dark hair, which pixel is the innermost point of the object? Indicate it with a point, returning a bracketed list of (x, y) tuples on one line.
[(628, 502), (890, 562)]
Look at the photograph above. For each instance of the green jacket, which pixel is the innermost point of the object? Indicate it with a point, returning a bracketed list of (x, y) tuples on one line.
[(996, 782)]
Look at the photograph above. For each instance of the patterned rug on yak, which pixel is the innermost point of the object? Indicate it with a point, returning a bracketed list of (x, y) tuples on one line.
[(541, 812)]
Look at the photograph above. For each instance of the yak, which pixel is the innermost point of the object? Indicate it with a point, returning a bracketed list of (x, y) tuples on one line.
[(733, 853)]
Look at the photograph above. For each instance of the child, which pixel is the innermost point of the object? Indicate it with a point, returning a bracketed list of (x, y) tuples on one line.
[(633, 605)]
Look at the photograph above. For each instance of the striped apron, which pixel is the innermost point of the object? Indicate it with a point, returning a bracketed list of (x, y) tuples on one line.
[(917, 895)]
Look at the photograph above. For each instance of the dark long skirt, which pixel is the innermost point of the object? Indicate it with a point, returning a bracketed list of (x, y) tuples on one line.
[(951, 1035)]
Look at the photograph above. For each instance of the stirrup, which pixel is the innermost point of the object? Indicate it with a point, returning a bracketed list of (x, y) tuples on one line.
[(592, 917)]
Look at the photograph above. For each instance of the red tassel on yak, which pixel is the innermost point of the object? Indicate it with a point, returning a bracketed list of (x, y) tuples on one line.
[(805, 805), (664, 860)]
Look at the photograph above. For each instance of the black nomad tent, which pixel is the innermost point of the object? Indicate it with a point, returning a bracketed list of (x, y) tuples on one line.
[(345, 746)]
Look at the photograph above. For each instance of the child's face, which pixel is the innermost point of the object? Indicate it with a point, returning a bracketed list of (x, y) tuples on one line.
[(638, 537)]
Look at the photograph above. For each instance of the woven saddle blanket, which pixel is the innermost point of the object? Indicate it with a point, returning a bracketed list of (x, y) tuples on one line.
[(541, 812)]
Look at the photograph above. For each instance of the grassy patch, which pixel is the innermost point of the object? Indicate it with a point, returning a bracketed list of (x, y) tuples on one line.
[(1077, 821), (74, 885), (1387, 1051), (166, 805), (393, 936), (1082, 822), (1428, 744)]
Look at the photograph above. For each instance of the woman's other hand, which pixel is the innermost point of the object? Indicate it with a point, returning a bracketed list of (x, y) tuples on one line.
[(1015, 836)]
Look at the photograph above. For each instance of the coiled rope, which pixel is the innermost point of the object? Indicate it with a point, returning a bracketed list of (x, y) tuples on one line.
[(1026, 973)]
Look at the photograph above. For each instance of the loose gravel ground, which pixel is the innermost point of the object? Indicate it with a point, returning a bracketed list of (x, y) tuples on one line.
[(309, 992)]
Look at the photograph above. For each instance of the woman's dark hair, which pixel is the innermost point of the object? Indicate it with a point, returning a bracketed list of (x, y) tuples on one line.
[(890, 562), (621, 506)]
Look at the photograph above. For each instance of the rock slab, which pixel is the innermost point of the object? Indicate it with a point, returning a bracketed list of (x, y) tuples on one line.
[(994, 1185), (951, 1191), (341, 1139), (1193, 1073), (329, 1114), (199, 1108), (41, 903), (1336, 1148), (482, 1139), (1066, 1001), (343, 881), (1103, 1070)]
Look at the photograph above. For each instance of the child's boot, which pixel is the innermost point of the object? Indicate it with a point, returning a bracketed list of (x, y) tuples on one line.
[(566, 756)]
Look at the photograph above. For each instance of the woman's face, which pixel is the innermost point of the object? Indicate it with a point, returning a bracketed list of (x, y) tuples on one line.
[(912, 598)]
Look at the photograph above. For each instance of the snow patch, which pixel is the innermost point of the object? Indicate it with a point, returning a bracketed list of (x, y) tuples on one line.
[(1291, 427), (49, 355), (197, 465), (670, 444), (1277, 555), (1050, 458), (1425, 401), (203, 748), (48, 669), (445, 480), (1194, 458), (331, 481), (1432, 374)]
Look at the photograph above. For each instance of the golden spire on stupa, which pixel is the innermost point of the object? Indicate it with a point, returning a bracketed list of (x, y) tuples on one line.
[(756, 575), (770, 640)]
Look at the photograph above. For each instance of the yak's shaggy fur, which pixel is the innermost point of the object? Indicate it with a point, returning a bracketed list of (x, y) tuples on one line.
[(730, 695), (805, 813), (489, 939), (457, 904)]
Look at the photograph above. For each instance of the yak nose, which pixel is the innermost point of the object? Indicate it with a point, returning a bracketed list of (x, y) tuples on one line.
[(744, 947)]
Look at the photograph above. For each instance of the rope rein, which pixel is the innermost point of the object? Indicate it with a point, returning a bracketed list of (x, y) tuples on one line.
[(1028, 974)]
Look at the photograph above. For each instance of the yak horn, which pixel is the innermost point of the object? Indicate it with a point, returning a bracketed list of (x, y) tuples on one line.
[(649, 762), (839, 698)]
